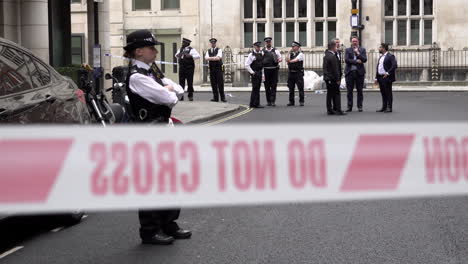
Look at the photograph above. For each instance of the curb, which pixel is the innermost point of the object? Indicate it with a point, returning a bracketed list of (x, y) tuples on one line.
[(215, 116)]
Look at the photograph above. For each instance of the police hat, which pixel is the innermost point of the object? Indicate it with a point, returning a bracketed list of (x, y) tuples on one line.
[(213, 40), (139, 39), (188, 41), (258, 44), (295, 43), (267, 39)]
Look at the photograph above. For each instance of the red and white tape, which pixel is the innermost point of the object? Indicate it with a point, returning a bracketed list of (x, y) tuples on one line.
[(48, 169)]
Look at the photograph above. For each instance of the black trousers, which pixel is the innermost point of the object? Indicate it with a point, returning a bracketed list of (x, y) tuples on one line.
[(256, 84), (354, 79), (386, 91), (186, 74), (333, 96), (296, 78), (217, 83), (271, 82), (151, 221)]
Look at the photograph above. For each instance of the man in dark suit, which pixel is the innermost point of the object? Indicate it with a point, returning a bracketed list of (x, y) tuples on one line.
[(332, 77), (385, 76), (355, 57)]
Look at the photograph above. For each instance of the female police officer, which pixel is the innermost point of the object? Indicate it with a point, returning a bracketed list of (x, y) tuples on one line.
[(152, 97)]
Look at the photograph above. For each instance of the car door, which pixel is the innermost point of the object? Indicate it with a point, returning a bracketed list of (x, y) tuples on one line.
[(25, 94)]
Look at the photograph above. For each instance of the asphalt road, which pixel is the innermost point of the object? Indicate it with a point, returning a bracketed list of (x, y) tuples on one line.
[(393, 231)]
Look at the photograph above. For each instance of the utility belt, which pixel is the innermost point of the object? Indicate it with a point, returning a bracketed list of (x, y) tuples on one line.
[(158, 114)]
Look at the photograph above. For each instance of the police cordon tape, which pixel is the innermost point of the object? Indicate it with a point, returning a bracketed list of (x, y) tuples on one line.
[(163, 62), (55, 169)]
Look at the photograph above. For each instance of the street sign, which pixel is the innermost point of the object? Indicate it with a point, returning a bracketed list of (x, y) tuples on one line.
[(354, 21)]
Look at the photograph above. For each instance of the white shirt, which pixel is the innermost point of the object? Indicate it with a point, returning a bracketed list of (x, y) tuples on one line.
[(300, 57), (149, 89), (251, 59), (381, 69), (219, 55), (193, 52)]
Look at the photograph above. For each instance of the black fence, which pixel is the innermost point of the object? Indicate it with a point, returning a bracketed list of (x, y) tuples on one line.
[(421, 65)]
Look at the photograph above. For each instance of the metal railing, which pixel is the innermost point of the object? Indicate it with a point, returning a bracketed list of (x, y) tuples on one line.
[(414, 65)]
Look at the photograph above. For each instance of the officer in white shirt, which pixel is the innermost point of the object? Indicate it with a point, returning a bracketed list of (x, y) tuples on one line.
[(295, 62), (186, 57), (214, 56), (254, 65), (152, 97), (271, 60)]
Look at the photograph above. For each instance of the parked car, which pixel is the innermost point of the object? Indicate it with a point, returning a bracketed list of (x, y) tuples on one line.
[(32, 92)]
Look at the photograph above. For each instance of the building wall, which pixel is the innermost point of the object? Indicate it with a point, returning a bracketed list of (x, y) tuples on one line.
[(26, 23), (199, 20)]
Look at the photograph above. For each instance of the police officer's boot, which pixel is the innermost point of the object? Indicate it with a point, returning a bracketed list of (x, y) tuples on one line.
[(160, 238)]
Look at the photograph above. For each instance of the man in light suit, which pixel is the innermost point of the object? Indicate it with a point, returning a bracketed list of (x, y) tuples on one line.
[(355, 57), (385, 76)]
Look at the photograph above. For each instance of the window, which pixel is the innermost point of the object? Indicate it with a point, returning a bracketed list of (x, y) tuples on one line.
[(254, 21), (311, 22), (77, 49), (76, 1), (408, 22), (141, 5), (261, 4), (14, 73), (170, 4), (325, 21), (248, 34)]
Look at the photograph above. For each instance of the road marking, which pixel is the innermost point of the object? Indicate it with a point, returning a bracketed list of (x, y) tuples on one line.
[(56, 229), (11, 251), (247, 110)]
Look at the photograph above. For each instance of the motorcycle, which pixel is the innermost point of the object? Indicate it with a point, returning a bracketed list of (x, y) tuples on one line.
[(99, 107)]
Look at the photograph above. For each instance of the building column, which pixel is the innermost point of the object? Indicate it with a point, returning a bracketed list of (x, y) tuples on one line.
[(35, 27)]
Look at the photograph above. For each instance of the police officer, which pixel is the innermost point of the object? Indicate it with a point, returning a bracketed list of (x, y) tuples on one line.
[(152, 97), (295, 62), (214, 56), (186, 57), (271, 60), (254, 66)]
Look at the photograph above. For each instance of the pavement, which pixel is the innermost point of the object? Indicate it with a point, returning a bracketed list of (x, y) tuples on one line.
[(426, 230), (197, 112)]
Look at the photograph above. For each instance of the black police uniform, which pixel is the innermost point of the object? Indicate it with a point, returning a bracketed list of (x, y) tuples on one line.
[(270, 68), (296, 77), (216, 76), (257, 66), (156, 226), (186, 69)]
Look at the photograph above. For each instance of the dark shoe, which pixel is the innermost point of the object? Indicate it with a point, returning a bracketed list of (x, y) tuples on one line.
[(214, 100), (349, 110), (258, 106), (290, 104), (223, 100), (331, 112), (301, 104), (381, 110), (360, 109), (190, 98), (182, 234), (269, 104), (389, 110), (159, 238), (273, 104)]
